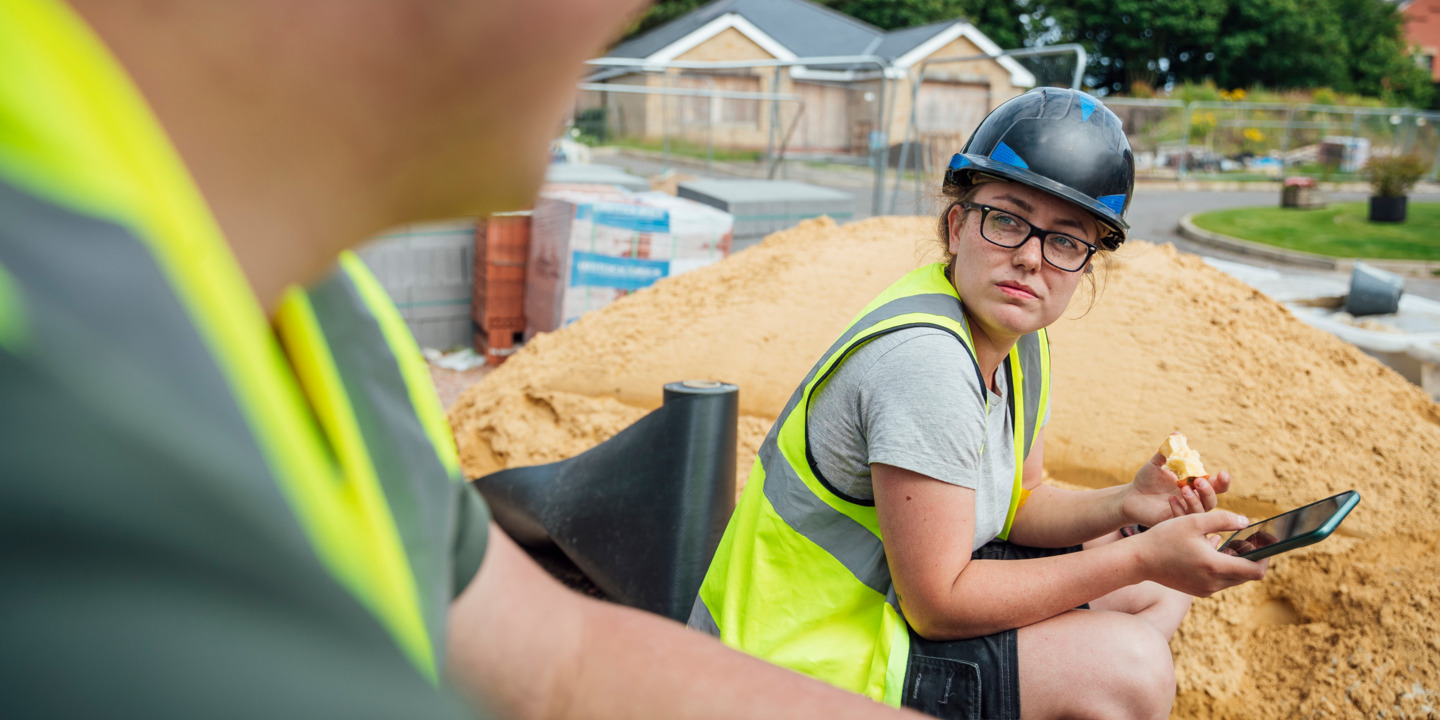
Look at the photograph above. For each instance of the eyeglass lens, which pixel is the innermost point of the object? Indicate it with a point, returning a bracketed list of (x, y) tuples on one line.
[(1006, 230)]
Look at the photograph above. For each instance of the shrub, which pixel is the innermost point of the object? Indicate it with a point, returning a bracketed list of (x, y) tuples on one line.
[(1394, 175), (593, 126)]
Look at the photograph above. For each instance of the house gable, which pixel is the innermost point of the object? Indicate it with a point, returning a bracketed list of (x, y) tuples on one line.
[(729, 44), (960, 40), (723, 29), (792, 29)]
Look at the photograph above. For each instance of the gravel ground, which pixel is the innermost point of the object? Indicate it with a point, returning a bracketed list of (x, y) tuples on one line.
[(450, 383)]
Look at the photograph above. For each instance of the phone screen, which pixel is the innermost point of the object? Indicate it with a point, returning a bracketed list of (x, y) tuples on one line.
[(1282, 528)]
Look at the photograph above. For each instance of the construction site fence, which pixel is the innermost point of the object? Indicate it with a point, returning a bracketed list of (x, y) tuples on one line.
[(853, 121), (888, 134), (1216, 140), (726, 125)]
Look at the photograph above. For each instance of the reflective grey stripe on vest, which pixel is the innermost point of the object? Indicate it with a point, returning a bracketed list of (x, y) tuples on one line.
[(849, 542), (124, 446), (415, 483), (106, 327), (701, 619), (1030, 350), (806, 513)]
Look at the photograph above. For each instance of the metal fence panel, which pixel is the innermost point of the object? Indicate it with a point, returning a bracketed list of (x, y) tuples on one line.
[(1156, 132)]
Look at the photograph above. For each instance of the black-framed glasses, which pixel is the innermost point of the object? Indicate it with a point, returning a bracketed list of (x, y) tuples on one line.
[(1008, 230)]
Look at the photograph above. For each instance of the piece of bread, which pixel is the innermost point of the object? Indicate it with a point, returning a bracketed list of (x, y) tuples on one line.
[(1181, 459)]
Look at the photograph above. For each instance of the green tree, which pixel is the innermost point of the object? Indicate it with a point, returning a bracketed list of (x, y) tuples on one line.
[(1280, 44), (1154, 42), (1379, 62), (1353, 46)]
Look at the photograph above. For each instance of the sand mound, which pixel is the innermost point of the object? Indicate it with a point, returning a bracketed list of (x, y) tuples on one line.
[(1342, 629)]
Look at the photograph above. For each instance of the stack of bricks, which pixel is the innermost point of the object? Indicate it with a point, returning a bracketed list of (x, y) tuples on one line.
[(502, 244)]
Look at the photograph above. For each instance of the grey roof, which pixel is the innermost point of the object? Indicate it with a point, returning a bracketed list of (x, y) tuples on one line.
[(803, 27), (899, 42)]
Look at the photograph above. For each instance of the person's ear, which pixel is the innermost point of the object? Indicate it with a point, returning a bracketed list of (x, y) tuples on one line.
[(956, 219)]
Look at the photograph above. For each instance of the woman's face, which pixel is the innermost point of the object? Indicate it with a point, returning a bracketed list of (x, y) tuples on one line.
[(1009, 292)]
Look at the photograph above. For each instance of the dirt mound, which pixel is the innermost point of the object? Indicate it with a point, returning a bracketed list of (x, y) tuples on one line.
[(1342, 629)]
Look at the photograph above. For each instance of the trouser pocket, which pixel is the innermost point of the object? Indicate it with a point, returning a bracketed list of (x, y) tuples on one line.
[(943, 688)]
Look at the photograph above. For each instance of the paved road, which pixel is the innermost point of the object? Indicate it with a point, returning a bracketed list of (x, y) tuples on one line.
[(1154, 214)]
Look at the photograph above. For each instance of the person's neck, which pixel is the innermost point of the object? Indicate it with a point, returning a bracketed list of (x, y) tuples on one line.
[(287, 195), (991, 349), (988, 352)]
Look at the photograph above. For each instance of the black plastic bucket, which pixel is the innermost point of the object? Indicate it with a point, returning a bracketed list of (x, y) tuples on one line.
[(1373, 291)]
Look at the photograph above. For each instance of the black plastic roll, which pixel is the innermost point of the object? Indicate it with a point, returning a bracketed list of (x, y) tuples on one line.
[(642, 513)]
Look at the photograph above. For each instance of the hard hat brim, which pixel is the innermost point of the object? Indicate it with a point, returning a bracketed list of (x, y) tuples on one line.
[(989, 166)]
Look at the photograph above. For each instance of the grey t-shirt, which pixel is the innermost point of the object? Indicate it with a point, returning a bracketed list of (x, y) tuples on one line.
[(912, 399)]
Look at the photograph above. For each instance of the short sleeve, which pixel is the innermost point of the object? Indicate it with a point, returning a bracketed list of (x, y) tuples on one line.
[(922, 409), (472, 532)]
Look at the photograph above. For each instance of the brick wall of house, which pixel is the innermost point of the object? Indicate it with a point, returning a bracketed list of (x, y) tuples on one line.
[(1422, 28)]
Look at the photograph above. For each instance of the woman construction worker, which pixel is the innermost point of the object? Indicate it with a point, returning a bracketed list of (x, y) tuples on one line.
[(895, 537)]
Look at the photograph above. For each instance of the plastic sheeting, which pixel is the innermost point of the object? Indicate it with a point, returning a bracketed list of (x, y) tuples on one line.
[(642, 513)]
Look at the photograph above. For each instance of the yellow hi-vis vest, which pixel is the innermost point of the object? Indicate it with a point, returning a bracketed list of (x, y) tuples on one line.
[(800, 577), (339, 417)]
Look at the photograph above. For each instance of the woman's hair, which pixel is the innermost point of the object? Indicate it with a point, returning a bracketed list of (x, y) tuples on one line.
[(953, 195)]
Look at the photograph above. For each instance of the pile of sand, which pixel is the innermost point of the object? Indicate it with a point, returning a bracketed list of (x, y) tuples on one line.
[(1341, 629)]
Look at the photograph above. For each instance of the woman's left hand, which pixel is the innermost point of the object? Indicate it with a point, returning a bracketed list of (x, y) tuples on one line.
[(1154, 496)]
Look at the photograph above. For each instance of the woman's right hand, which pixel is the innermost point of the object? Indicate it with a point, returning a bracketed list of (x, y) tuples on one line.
[(1180, 554)]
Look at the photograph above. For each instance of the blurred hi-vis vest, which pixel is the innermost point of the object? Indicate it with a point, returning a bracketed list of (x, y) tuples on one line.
[(106, 242)]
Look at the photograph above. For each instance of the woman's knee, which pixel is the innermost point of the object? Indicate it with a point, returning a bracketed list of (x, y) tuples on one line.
[(1141, 669), (1096, 664)]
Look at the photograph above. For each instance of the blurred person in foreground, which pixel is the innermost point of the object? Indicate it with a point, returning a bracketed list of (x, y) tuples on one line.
[(228, 488)]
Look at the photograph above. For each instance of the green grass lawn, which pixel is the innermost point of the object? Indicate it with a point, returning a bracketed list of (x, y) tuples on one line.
[(1340, 230)]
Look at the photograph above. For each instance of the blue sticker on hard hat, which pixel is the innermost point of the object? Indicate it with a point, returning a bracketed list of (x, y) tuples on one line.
[(1087, 106), (959, 161), (1004, 154), (1116, 203)]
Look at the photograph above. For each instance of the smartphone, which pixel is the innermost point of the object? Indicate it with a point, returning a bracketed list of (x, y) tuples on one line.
[(1297, 528)]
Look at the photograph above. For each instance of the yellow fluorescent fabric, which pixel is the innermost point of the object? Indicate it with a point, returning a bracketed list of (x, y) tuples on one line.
[(412, 365), (77, 132), (374, 560), (799, 578)]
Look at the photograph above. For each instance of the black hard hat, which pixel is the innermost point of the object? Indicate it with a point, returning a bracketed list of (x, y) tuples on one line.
[(1061, 141)]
